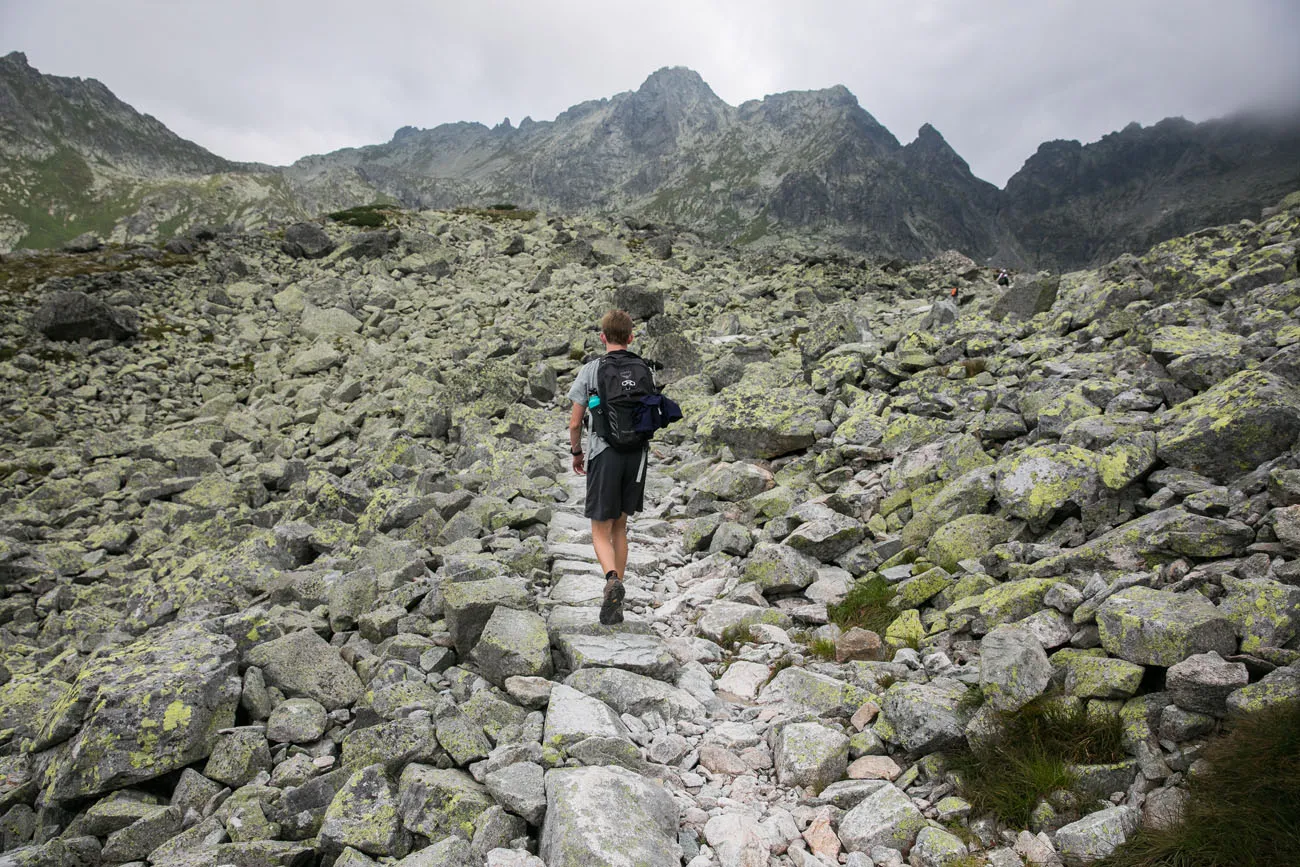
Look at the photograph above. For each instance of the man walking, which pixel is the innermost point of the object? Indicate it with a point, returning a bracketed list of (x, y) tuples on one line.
[(615, 476)]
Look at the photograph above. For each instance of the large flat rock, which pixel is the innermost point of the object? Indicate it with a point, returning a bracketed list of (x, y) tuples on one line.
[(608, 816)]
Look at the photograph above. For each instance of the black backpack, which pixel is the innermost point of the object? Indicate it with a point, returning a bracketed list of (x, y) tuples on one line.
[(623, 381)]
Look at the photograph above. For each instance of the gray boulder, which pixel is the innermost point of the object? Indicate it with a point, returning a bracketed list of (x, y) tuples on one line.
[(372, 245), (304, 664), (886, 817), (572, 717), (811, 755), (1097, 835), (73, 316), (1027, 297), (521, 789), (1202, 682), (1243, 421), (468, 606), (926, 716), (628, 692), (514, 643), (1159, 627), (640, 654), (779, 569), (1013, 668), (437, 803), (608, 816), (137, 713), (364, 816), (306, 241)]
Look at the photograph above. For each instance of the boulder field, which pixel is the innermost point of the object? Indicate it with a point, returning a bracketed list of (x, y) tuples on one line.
[(293, 570)]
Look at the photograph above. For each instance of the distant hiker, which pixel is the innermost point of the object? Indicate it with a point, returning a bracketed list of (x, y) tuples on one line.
[(1004, 279), (617, 396)]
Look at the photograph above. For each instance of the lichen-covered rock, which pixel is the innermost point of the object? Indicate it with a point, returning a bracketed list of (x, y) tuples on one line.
[(468, 606), (1278, 687), (629, 692), (304, 664), (755, 418), (936, 847), (779, 569), (811, 755), (1038, 481), (296, 721), (1158, 627), (1266, 613), (886, 817), (438, 803), (967, 537), (514, 643), (364, 816), (1096, 835), (1005, 603), (238, 757), (1013, 668), (926, 716), (609, 816), (735, 482), (1240, 423), (1102, 678), (134, 714), (819, 692)]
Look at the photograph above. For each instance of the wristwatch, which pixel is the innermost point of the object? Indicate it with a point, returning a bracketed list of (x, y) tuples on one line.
[(575, 452)]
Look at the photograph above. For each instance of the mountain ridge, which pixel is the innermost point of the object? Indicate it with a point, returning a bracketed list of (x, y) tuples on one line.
[(809, 167)]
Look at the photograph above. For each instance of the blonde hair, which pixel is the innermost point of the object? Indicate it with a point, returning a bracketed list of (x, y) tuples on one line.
[(617, 327)]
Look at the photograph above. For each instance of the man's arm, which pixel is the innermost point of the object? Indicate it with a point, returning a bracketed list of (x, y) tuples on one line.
[(575, 437)]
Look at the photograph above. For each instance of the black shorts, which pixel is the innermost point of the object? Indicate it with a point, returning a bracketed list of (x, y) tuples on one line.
[(616, 484)]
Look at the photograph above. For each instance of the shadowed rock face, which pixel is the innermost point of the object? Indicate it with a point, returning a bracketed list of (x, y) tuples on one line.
[(72, 316)]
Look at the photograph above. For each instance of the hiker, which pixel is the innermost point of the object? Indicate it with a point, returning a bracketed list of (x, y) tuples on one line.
[(615, 475), (1004, 279)]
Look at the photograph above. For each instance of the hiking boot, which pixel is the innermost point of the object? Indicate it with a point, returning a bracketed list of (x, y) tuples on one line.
[(611, 606)]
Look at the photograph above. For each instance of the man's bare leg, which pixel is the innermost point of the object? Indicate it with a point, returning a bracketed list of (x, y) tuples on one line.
[(609, 538), (602, 539), (618, 534)]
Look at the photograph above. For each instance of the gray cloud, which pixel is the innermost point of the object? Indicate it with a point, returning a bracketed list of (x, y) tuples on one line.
[(274, 81)]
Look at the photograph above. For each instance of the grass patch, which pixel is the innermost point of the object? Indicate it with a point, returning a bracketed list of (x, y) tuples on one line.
[(20, 273), (1244, 811), (866, 606), (496, 213), (734, 635), (822, 648), (372, 216), (1029, 759)]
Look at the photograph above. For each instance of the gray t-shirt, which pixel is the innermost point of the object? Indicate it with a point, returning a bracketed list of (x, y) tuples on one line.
[(583, 387)]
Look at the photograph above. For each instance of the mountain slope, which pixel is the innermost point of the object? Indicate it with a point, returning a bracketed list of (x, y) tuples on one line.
[(809, 165), (73, 158), (1077, 204)]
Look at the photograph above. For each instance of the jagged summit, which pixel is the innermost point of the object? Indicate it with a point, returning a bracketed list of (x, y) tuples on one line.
[(809, 166)]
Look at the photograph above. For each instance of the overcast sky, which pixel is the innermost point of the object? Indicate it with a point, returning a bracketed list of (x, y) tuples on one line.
[(274, 80)]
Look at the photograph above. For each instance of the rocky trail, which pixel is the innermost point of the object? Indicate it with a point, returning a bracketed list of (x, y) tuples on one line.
[(293, 570)]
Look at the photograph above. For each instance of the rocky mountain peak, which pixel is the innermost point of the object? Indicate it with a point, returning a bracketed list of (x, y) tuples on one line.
[(678, 81)]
